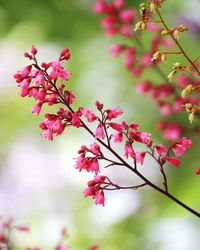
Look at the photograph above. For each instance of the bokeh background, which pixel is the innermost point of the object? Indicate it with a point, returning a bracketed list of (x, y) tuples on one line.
[(38, 184)]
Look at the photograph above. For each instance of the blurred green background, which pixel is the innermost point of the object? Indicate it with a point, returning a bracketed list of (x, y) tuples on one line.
[(38, 183)]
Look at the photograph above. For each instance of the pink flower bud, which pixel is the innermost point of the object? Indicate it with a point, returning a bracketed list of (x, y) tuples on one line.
[(197, 170)]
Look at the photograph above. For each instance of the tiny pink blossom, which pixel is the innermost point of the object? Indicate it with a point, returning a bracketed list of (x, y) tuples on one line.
[(127, 16), (33, 50), (175, 162), (65, 54), (48, 134), (119, 4), (160, 149), (143, 137), (116, 49), (117, 126), (129, 151), (139, 156), (69, 97), (100, 6), (108, 22), (126, 30), (165, 109), (58, 71), (113, 113), (39, 79), (186, 142), (118, 137), (99, 132), (99, 105), (37, 108), (100, 198), (89, 115), (143, 87), (76, 122), (178, 149), (95, 149), (146, 59), (94, 167), (197, 171)]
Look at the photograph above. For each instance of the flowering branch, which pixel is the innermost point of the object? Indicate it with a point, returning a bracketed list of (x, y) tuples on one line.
[(119, 20), (45, 84)]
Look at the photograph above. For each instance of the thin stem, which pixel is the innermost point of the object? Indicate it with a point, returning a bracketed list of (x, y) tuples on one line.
[(177, 43), (116, 187)]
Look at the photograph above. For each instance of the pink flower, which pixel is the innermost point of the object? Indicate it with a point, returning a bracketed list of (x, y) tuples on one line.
[(41, 95), (129, 58), (113, 113), (129, 151), (172, 132), (108, 22), (178, 105), (185, 142), (100, 6), (37, 108), (57, 127), (146, 59), (178, 150), (76, 122), (82, 163), (69, 97), (58, 71), (127, 16), (33, 50), (175, 162), (116, 126), (197, 170), (65, 54), (182, 80), (94, 190), (99, 133), (111, 31), (89, 115), (134, 126), (143, 87), (100, 198), (39, 79), (99, 105), (180, 147), (95, 149), (168, 43), (126, 30), (119, 4), (142, 137), (165, 109), (94, 167), (160, 149), (140, 157), (116, 49), (152, 27), (48, 134), (118, 137), (89, 192)]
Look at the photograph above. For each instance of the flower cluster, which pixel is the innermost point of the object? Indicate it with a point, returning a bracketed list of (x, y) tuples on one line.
[(150, 12), (106, 130), (117, 19), (170, 98), (8, 226)]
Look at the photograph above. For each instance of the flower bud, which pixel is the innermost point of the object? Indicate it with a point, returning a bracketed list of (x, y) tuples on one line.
[(176, 34), (164, 32)]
